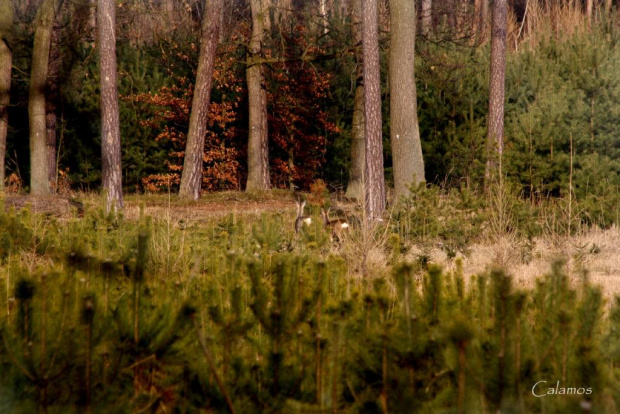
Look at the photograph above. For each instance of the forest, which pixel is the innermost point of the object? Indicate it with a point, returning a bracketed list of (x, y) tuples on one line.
[(309, 206)]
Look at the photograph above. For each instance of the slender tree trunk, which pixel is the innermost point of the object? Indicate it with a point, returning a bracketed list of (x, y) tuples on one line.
[(355, 188), (39, 177), (481, 10), (167, 6), (79, 29), (589, 9), (112, 180), (51, 106), (191, 179), (281, 13), (426, 18), (374, 177), (258, 144), (324, 16), (408, 164), (6, 62), (92, 17), (25, 9), (495, 137), (267, 7)]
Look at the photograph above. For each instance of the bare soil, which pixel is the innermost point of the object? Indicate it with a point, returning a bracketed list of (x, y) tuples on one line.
[(202, 210), (156, 206), (51, 205)]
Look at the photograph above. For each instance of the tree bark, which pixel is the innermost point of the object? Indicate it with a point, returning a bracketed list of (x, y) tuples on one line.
[(426, 18), (324, 16), (110, 131), (408, 164), (80, 30), (481, 10), (267, 7), (39, 178), (258, 144), (6, 62), (495, 137), (191, 178), (25, 10), (374, 184), (281, 13), (355, 188), (51, 106)]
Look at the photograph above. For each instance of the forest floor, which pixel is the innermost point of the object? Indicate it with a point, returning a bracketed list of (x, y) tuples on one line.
[(595, 253), (210, 206)]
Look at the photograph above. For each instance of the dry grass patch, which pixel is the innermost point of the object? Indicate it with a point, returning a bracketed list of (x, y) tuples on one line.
[(596, 251)]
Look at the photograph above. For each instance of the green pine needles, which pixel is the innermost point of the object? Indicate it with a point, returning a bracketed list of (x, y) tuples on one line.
[(96, 318)]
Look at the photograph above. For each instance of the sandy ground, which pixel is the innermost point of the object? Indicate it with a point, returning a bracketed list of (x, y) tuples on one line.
[(160, 206)]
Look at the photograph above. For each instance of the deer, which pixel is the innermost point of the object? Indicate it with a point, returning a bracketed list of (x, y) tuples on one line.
[(301, 220), (337, 227)]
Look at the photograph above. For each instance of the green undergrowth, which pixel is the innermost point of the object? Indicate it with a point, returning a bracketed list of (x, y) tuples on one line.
[(456, 218), (105, 314)]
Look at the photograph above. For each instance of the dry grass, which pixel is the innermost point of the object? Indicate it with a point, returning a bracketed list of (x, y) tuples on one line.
[(207, 209), (550, 20), (595, 251)]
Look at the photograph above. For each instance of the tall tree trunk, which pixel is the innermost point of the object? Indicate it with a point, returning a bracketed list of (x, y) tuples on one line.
[(6, 62), (191, 179), (258, 144), (589, 9), (374, 183), (408, 164), (267, 7), (426, 18), (79, 30), (167, 6), (355, 188), (25, 10), (324, 17), (484, 14), (481, 11), (495, 137), (39, 178), (51, 106), (112, 180), (282, 10)]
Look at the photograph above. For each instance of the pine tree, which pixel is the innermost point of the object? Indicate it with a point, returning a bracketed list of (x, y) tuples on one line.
[(355, 187), (6, 63), (495, 138), (374, 183), (258, 144), (110, 129), (191, 179), (408, 164), (39, 177)]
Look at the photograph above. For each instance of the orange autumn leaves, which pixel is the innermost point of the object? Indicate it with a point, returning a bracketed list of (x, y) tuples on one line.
[(298, 127), (169, 115)]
